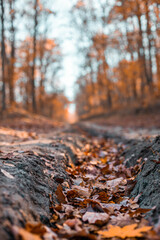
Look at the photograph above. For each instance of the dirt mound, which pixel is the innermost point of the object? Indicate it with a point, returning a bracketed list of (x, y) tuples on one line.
[(27, 179), (20, 119), (148, 180)]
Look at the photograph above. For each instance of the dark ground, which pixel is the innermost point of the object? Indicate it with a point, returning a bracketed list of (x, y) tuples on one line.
[(145, 151), (33, 163)]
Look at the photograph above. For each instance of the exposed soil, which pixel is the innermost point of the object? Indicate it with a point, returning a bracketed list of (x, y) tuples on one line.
[(34, 171)]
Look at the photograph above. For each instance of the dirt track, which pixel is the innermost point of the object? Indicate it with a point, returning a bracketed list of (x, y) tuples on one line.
[(33, 165)]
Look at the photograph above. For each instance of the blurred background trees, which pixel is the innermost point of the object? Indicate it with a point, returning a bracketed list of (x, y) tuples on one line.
[(121, 60), (118, 52), (30, 59)]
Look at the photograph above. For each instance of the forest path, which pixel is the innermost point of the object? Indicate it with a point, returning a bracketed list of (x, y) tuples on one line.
[(73, 179), (126, 132)]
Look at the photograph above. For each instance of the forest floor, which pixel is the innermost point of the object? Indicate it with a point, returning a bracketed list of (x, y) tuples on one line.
[(90, 180)]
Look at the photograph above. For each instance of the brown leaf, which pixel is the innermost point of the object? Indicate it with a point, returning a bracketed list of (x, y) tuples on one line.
[(139, 211), (60, 195), (115, 182), (95, 217), (73, 223), (121, 220), (82, 191), (106, 170), (36, 228), (96, 206), (24, 234), (68, 209), (81, 234), (72, 194), (103, 196)]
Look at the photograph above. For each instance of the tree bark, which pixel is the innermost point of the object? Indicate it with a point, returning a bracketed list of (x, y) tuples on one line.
[(3, 56), (149, 36), (157, 51), (12, 58), (34, 105), (141, 53)]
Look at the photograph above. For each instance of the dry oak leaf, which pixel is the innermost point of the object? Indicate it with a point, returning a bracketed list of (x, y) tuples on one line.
[(127, 231), (95, 217)]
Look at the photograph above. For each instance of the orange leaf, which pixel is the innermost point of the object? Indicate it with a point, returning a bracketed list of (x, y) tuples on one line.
[(36, 228), (127, 231), (25, 235)]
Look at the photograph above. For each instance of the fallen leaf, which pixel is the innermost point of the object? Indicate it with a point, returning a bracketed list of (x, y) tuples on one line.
[(121, 220), (103, 196), (82, 234), (7, 174), (82, 191), (115, 182), (139, 211), (60, 195), (73, 223), (72, 194), (9, 164), (127, 231), (36, 228), (77, 181), (94, 217), (92, 204), (24, 234), (68, 209)]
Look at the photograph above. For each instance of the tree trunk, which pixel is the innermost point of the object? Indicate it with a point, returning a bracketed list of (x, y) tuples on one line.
[(157, 53), (3, 56), (130, 50), (12, 59), (41, 101), (109, 98), (34, 106), (149, 36), (141, 53)]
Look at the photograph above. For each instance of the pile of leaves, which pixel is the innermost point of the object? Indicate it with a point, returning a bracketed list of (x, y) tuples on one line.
[(96, 205)]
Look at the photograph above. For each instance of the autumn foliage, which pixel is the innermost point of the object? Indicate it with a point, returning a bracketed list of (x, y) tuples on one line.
[(30, 60), (119, 52), (117, 45)]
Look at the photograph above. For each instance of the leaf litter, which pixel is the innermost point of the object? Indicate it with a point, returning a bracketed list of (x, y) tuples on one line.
[(97, 204)]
